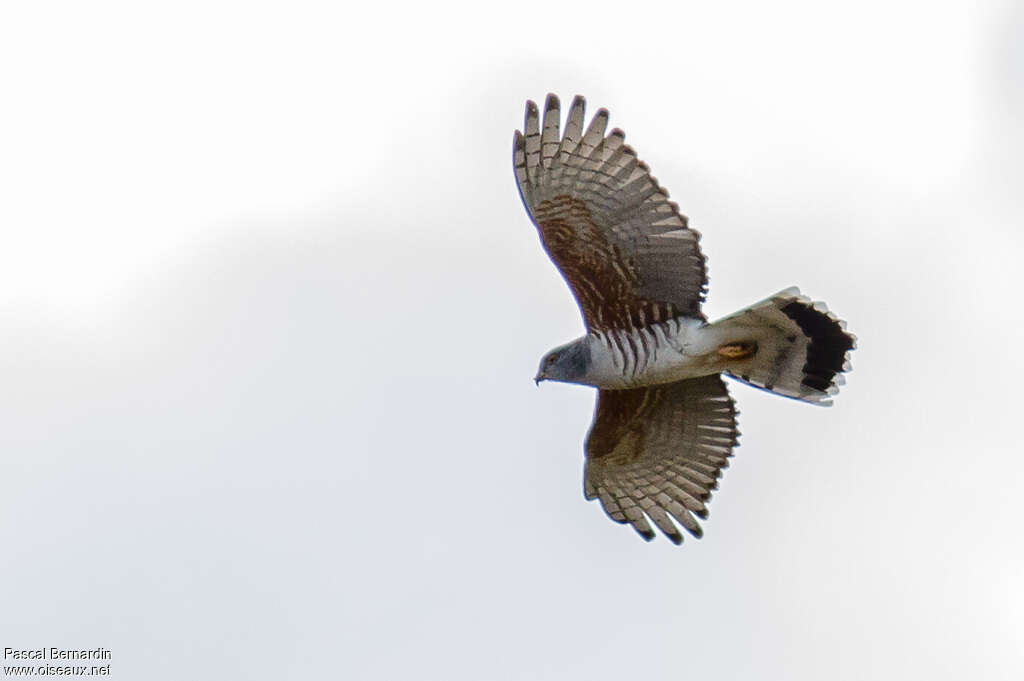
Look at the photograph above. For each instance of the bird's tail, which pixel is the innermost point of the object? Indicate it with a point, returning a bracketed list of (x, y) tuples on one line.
[(788, 345)]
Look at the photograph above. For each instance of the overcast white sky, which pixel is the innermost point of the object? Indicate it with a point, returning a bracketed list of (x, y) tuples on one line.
[(270, 309)]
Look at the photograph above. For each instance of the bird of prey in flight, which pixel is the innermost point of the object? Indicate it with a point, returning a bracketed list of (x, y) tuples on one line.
[(664, 425)]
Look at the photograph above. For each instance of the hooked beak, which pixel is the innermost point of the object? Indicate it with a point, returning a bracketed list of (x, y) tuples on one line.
[(539, 377)]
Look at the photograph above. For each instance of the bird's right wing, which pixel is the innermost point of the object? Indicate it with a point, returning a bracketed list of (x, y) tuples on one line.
[(657, 452), (624, 248)]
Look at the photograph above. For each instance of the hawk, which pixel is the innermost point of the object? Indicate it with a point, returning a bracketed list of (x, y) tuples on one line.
[(665, 425)]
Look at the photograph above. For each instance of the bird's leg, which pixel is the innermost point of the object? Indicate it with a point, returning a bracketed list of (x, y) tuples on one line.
[(740, 350)]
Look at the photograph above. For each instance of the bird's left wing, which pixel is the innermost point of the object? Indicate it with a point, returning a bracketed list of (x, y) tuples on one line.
[(624, 249), (657, 452)]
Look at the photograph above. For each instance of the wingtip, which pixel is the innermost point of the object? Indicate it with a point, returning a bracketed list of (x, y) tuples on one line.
[(532, 114)]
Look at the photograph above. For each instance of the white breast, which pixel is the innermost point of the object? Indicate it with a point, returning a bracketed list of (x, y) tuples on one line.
[(662, 353)]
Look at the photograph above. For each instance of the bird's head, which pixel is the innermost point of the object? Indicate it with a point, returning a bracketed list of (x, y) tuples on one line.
[(568, 363)]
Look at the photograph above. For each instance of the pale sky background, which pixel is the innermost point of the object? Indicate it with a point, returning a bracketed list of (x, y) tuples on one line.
[(271, 308)]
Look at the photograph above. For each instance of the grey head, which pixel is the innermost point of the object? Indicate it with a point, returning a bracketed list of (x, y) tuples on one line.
[(568, 363)]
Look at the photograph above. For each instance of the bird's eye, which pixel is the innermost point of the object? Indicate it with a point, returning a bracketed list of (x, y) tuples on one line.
[(552, 358)]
